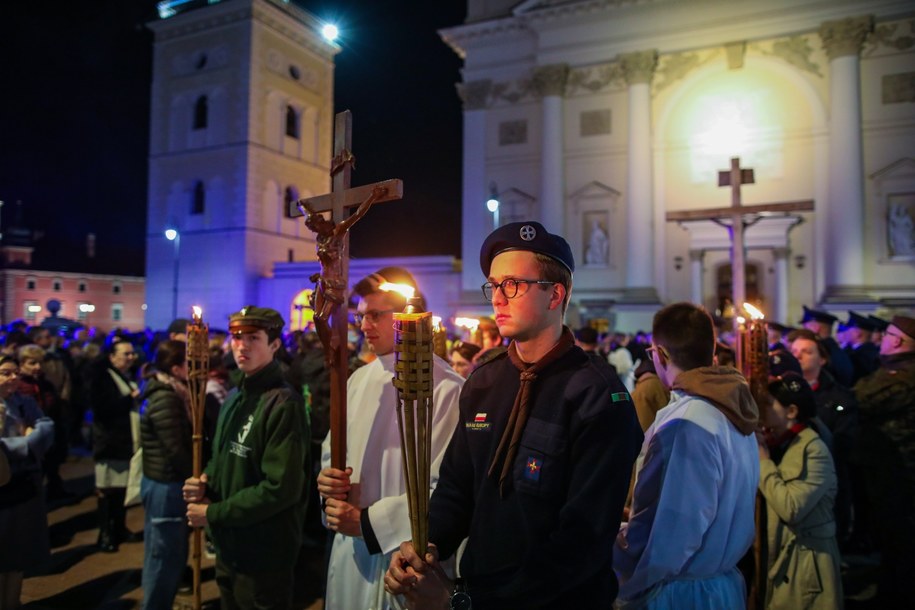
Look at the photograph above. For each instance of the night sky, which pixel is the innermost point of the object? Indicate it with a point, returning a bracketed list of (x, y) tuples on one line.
[(74, 123)]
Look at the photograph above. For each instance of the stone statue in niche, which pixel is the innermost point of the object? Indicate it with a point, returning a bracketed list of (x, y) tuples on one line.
[(901, 231), (598, 250)]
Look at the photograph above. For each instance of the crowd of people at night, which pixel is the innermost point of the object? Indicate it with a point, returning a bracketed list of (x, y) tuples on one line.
[(592, 469)]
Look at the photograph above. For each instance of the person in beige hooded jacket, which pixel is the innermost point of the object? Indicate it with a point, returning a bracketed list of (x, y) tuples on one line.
[(798, 481)]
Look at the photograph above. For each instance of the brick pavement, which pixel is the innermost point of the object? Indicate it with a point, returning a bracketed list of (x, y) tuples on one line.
[(80, 578)]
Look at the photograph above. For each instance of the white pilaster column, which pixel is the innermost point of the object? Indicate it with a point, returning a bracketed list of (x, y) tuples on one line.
[(550, 82), (780, 312), (638, 69), (696, 259), (476, 219), (844, 211)]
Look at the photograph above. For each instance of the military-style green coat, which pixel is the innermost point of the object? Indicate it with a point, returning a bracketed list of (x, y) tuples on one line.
[(802, 555)]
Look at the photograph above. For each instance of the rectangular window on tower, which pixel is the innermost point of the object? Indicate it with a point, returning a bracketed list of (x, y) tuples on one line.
[(117, 312), (198, 202)]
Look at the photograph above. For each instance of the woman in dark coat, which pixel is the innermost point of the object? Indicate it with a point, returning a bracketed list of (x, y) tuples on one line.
[(113, 396), (167, 461), (26, 435)]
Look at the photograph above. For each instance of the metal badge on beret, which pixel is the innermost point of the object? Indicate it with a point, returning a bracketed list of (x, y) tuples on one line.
[(530, 236)]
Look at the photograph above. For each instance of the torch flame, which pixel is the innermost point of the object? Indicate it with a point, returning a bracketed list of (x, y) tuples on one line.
[(755, 313), (437, 322), (197, 311), (469, 323), (404, 289)]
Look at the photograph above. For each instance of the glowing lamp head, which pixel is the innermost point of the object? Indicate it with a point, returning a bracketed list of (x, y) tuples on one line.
[(492, 204), (330, 32), (171, 234)]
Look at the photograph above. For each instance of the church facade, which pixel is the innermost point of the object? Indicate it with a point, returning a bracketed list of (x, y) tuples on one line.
[(600, 117)]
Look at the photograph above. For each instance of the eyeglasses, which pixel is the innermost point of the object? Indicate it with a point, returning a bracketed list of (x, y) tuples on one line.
[(373, 315), (900, 337), (658, 350), (509, 287)]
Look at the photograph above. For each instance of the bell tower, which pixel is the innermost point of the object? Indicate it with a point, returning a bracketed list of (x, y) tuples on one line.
[(241, 123)]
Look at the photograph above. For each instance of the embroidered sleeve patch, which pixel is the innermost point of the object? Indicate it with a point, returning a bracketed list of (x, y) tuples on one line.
[(532, 469), (620, 397)]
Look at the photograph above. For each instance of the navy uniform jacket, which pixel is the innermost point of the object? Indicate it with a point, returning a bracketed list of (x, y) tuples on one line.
[(549, 541)]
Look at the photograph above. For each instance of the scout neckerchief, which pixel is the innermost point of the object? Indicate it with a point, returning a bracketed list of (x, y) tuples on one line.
[(511, 437)]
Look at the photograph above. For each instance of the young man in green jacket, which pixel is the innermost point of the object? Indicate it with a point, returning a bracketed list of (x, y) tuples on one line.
[(252, 495)]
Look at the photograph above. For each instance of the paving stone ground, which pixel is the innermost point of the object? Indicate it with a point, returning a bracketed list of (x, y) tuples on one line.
[(81, 578)]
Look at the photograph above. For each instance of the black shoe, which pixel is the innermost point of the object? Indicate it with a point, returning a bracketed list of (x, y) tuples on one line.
[(107, 543), (107, 546), (130, 537)]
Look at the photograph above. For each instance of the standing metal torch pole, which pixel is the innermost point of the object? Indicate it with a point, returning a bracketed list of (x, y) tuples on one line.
[(198, 364), (413, 380)]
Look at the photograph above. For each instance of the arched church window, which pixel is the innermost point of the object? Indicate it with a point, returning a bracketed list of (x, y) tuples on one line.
[(289, 197), (292, 123), (200, 113), (198, 202)]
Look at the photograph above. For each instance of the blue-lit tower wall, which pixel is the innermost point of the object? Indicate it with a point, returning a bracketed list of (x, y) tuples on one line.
[(241, 120)]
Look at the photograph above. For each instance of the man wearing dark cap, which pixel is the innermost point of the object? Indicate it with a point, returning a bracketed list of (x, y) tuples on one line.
[(253, 494), (880, 326), (177, 330), (586, 339), (366, 504), (886, 456), (777, 334), (863, 352), (537, 472), (821, 322)]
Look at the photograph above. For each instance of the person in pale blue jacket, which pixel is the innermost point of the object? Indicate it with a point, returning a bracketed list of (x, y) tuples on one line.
[(26, 434), (692, 511)]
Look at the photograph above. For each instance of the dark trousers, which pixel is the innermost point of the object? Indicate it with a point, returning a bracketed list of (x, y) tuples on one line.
[(253, 591)]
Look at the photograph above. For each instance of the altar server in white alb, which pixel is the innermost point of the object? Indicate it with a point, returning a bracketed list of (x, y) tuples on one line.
[(692, 508), (366, 503)]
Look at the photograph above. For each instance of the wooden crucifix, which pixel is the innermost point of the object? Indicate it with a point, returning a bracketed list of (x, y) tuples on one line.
[(736, 218), (332, 241)]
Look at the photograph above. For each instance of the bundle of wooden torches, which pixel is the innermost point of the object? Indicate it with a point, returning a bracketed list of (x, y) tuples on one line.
[(752, 354), (416, 338)]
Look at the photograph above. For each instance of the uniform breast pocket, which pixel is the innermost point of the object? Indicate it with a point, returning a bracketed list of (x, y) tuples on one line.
[(540, 462)]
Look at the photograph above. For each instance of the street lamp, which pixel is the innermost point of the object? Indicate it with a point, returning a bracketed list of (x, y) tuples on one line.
[(492, 204), (173, 235)]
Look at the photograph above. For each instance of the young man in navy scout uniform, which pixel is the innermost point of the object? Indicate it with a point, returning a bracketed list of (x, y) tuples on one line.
[(537, 471), (252, 495)]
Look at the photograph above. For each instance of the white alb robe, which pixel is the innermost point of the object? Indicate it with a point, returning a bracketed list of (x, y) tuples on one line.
[(355, 577)]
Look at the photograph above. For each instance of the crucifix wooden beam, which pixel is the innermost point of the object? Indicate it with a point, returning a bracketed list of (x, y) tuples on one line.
[(735, 219), (331, 295)]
